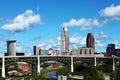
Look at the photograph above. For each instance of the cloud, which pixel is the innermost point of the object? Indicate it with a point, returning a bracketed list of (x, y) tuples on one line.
[(47, 44), (3, 49), (111, 11), (77, 42), (22, 22), (4, 37), (108, 14), (117, 43), (84, 24), (99, 45), (20, 47), (102, 36)]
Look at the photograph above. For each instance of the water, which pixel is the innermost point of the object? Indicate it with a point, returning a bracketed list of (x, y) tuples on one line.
[(51, 74)]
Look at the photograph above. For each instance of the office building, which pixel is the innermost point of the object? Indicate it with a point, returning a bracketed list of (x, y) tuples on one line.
[(117, 52), (11, 48), (36, 50), (90, 41), (44, 52), (110, 49), (64, 41), (83, 52)]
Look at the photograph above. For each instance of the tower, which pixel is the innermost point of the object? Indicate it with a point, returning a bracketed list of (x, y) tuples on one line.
[(90, 41), (36, 50), (11, 48), (110, 50), (64, 41)]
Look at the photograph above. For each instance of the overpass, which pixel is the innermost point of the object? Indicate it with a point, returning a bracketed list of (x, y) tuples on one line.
[(67, 59)]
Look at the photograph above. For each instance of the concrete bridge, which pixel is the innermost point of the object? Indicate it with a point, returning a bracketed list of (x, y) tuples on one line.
[(67, 59)]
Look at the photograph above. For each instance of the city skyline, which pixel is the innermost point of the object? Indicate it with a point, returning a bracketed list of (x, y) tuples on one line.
[(40, 23)]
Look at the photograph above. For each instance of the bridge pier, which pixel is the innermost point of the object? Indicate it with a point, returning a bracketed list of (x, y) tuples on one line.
[(34, 70), (3, 67), (95, 63), (72, 67), (38, 65), (113, 64)]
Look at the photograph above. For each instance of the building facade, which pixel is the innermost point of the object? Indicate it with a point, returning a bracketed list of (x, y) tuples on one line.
[(83, 52), (90, 41), (36, 50), (11, 48), (64, 41), (44, 52), (110, 50), (117, 52)]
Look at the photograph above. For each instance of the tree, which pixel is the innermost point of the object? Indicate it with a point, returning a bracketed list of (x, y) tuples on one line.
[(41, 76), (93, 74), (63, 71), (89, 72), (2, 78), (116, 74)]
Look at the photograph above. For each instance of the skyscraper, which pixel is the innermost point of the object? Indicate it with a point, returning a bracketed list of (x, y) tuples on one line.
[(90, 41), (36, 50), (110, 50), (11, 48), (64, 41)]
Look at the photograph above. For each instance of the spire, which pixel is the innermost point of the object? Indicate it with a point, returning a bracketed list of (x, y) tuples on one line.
[(65, 28)]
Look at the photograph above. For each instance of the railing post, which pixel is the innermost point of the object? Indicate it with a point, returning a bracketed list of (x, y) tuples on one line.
[(3, 67), (38, 66), (95, 61), (72, 67), (113, 63)]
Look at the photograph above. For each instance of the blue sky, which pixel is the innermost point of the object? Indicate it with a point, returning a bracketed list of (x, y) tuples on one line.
[(39, 22)]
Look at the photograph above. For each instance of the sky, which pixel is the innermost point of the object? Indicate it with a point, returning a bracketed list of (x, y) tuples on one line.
[(39, 23)]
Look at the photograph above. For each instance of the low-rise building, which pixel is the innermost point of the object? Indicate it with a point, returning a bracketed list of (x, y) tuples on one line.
[(83, 52)]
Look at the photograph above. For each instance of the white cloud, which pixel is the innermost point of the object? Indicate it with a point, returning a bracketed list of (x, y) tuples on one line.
[(117, 43), (102, 36), (22, 22), (83, 41), (111, 11), (50, 44), (75, 40), (20, 47), (3, 49), (84, 24), (99, 45)]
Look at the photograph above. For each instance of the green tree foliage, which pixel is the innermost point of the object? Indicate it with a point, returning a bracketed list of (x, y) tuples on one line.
[(2, 78), (41, 76), (89, 73), (92, 74), (105, 68), (63, 71), (78, 69), (116, 74)]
